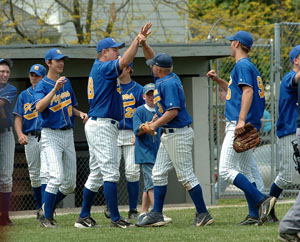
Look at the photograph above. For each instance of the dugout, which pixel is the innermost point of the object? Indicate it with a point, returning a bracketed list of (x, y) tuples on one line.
[(191, 63)]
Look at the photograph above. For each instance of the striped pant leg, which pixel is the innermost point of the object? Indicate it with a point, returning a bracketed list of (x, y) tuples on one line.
[(287, 167), (94, 181), (232, 163), (69, 163), (7, 153), (44, 172), (33, 153), (102, 139), (179, 146), (161, 167), (132, 170), (52, 145)]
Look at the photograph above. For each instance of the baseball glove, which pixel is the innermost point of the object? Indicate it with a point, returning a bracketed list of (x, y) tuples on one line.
[(147, 130), (247, 140)]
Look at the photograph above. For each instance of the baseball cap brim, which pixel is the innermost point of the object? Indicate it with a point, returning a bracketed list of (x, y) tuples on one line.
[(150, 62), (59, 57), (119, 45), (7, 61), (231, 38)]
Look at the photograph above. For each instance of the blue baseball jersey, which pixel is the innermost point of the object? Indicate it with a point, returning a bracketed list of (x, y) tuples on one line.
[(31, 118), (132, 98), (168, 94), (59, 112), (287, 106), (245, 73), (8, 93), (146, 146), (104, 92)]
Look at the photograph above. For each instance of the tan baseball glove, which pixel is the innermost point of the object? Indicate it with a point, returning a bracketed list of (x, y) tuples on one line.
[(247, 140), (145, 127)]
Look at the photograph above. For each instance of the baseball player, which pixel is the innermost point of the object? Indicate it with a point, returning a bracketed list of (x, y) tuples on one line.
[(176, 144), (289, 226), (27, 126), (286, 127), (146, 147), (101, 129), (7, 142), (245, 102), (132, 98), (56, 102)]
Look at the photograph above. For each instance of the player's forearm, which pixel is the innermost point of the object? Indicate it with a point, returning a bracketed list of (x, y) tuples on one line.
[(2, 103), (129, 54), (247, 97), (43, 103), (148, 51), (77, 112), (166, 118), (222, 83), (18, 126)]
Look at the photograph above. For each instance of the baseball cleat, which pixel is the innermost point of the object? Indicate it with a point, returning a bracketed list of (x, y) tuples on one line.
[(133, 214), (87, 222), (272, 218), (106, 212), (265, 208), (141, 217), (152, 219), (289, 237), (167, 219), (203, 219), (39, 214), (121, 223), (249, 220), (48, 223)]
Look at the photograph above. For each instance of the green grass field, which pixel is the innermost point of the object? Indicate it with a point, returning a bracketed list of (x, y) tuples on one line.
[(225, 228)]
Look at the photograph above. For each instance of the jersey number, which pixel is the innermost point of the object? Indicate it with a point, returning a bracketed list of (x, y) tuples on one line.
[(90, 88), (129, 112)]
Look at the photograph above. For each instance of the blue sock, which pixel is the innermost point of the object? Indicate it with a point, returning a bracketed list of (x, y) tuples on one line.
[(88, 198), (111, 196), (37, 193), (43, 192), (275, 191), (49, 204), (159, 198), (243, 183), (252, 207), (133, 189), (5, 201), (197, 197), (59, 196)]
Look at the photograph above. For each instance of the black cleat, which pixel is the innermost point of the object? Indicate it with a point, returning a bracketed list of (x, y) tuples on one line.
[(249, 221), (203, 219), (48, 223), (152, 219), (289, 237), (121, 223), (133, 214), (265, 208), (87, 222)]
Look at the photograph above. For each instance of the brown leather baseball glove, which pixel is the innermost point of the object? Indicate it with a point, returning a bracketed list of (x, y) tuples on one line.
[(147, 130), (247, 140)]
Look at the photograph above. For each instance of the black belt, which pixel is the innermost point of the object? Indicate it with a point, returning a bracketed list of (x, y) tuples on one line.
[(63, 128), (4, 130), (37, 134), (112, 121), (173, 130)]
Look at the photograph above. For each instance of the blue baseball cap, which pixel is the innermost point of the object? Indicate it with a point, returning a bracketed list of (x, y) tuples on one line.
[(243, 37), (294, 53), (38, 69), (9, 62), (161, 60), (148, 87), (108, 43), (54, 54)]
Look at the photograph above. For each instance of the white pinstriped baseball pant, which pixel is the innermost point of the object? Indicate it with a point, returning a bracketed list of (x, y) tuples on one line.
[(231, 162), (175, 150), (126, 150), (287, 166), (59, 149), (7, 155), (33, 158), (44, 172), (102, 136)]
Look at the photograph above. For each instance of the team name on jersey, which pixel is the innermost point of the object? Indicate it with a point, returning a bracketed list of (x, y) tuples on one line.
[(128, 100), (29, 116), (156, 100), (58, 98)]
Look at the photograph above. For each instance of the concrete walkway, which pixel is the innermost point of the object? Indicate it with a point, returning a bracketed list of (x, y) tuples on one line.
[(122, 208)]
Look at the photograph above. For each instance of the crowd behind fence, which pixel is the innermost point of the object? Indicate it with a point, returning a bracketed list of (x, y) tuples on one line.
[(271, 60)]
